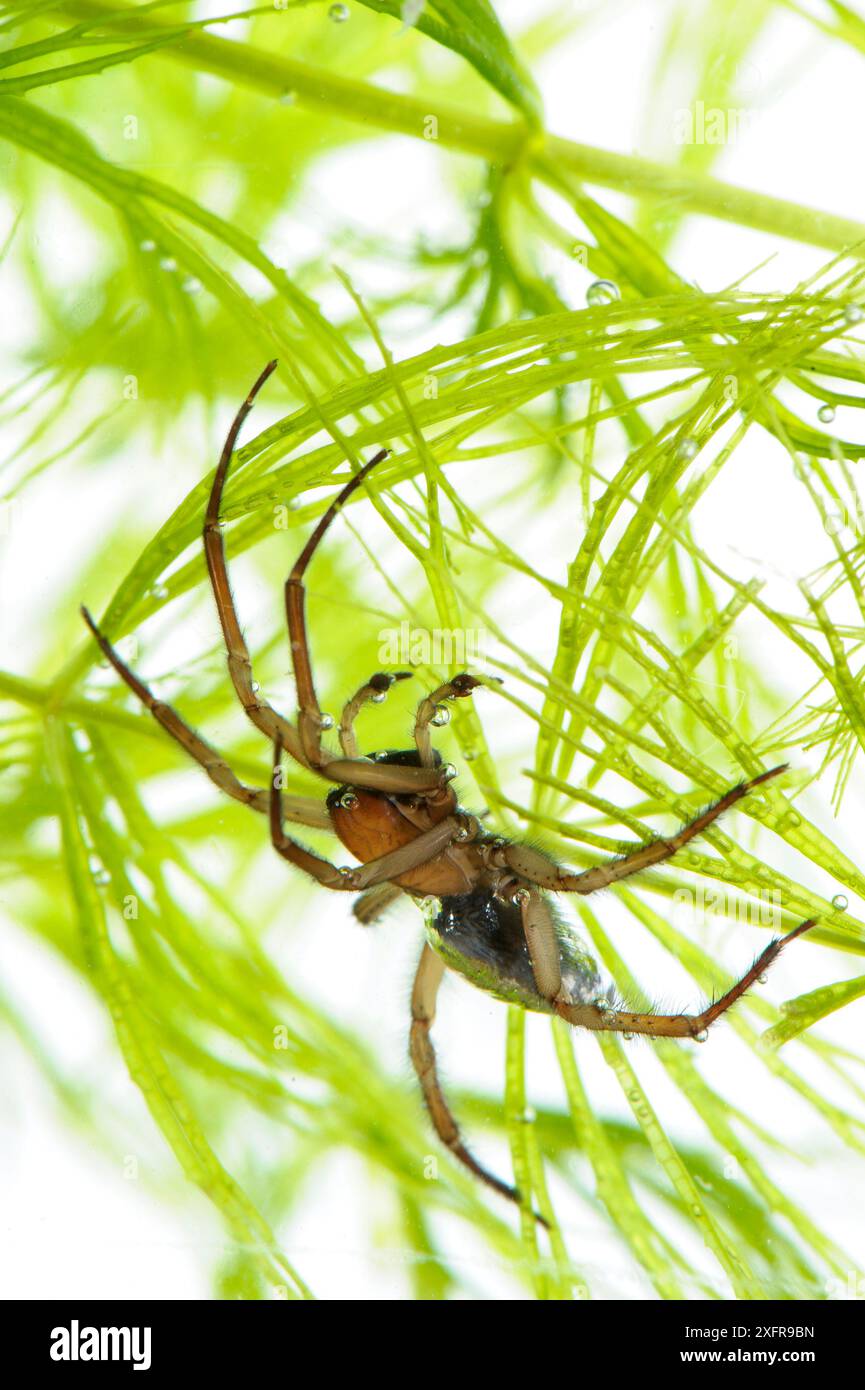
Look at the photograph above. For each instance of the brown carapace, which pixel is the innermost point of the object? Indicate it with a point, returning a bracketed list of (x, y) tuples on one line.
[(397, 813)]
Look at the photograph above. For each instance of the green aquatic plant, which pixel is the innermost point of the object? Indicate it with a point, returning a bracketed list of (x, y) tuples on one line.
[(549, 457)]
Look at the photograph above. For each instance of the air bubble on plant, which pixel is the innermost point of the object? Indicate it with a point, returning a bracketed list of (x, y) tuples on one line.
[(839, 902), (98, 871), (602, 292), (826, 413), (338, 13), (687, 448)]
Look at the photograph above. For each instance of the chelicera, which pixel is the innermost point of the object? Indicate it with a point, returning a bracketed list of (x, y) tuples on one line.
[(397, 813)]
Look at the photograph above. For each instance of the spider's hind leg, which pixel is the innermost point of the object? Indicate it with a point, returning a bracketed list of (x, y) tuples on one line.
[(423, 1006), (602, 1020), (544, 951)]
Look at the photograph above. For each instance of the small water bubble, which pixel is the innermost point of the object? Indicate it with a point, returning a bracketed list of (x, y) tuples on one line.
[(522, 896), (529, 1115), (348, 801), (628, 1037), (449, 772), (147, 244), (159, 591), (325, 721), (192, 285), (826, 413), (339, 13), (80, 739), (702, 1036), (839, 902), (98, 871), (441, 717), (470, 755), (762, 979), (687, 448), (378, 698), (602, 292), (288, 98), (168, 263), (854, 313)]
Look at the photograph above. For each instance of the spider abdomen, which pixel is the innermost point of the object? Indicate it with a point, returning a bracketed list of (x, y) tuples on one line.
[(482, 938)]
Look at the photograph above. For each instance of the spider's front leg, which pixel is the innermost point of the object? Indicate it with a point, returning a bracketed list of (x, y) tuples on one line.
[(350, 770), (305, 810), (262, 714)]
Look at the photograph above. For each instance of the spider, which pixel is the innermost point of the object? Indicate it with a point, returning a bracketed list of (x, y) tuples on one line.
[(397, 813)]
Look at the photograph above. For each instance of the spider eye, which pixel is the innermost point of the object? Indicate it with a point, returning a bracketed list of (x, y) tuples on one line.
[(347, 801)]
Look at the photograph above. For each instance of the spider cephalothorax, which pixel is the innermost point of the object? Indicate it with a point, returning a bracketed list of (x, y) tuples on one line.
[(397, 813)]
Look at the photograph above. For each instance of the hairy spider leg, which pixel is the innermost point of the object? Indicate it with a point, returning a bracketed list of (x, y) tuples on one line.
[(537, 868), (304, 810), (374, 689), (676, 1025), (259, 711), (374, 903), (423, 1008), (456, 689), (544, 951), (355, 771)]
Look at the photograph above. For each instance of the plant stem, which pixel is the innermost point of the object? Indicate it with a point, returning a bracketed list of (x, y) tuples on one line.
[(499, 142)]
